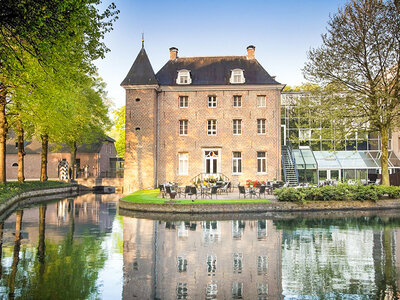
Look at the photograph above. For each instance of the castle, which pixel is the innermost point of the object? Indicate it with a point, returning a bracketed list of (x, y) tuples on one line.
[(200, 117)]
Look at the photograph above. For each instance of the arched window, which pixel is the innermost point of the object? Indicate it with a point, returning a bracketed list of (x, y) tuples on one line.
[(237, 76), (183, 77)]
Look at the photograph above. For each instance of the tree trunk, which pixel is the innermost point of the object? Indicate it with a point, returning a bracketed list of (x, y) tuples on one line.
[(43, 167), (1, 246), (42, 244), (385, 155), (17, 246), (3, 133), (74, 149), (21, 150)]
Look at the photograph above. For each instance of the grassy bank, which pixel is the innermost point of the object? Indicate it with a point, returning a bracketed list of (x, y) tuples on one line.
[(151, 196), (11, 189)]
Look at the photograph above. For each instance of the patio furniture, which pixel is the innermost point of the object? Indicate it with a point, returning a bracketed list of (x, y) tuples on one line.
[(378, 181), (187, 190), (162, 190), (224, 188), (242, 191), (364, 181), (193, 192), (213, 191), (170, 191), (261, 191)]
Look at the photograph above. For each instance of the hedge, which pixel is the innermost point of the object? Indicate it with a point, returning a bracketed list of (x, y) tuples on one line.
[(341, 192)]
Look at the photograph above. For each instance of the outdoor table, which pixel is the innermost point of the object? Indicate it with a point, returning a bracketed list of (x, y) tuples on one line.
[(252, 191)]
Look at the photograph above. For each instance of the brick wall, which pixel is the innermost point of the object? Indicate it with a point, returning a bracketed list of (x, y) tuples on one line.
[(140, 146), (140, 139)]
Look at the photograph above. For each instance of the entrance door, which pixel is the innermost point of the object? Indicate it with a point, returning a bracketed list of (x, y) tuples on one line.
[(211, 162)]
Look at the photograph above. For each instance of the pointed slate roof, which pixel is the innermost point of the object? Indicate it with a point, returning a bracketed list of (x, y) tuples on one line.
[(214, 70), (141, 72)]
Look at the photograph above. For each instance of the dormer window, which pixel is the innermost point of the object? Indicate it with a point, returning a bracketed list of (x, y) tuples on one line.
[(237, 76), (183, 77)]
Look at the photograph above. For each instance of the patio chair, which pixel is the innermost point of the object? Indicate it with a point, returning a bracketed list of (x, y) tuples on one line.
[(162, 190), (261, 191), (364, 181), (193, 192), (213, 191), (378, 181), (242, 191), (170, 191), (187, 190), (224, 188)]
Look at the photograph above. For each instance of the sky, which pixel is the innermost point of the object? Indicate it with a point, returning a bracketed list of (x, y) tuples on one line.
[(281, 30)]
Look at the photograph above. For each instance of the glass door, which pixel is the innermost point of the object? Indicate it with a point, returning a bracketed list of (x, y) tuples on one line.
[(211, 162)]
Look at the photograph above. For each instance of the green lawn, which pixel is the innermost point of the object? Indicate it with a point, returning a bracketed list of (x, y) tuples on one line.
[(11, 189), (150, 196)]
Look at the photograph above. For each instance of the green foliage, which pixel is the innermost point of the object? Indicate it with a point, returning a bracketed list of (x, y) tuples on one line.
[(11, 189), (341, 192), (118, 132)]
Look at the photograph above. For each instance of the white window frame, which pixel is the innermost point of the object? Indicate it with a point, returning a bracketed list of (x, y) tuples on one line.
[(183, 77), (260, 160), (237, 127), (212, 127), (183, 163), (183, 127), (212, 101), (183, 101), (261, 101), (237, 101), (261, 126), (237, 76), (237, 163)]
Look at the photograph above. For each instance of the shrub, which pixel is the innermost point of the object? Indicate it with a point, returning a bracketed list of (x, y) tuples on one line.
[(340, 192)]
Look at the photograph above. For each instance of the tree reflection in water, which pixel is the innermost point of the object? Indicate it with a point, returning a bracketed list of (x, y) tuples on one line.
[(67, 269)]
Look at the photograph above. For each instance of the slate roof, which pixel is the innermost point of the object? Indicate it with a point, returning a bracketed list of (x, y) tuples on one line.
[(214, 70), (141, 72)]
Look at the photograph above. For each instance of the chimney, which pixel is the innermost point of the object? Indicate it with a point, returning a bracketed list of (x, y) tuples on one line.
[(173, 53), (250, 52)]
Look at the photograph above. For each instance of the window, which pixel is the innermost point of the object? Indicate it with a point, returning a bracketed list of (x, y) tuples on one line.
[(237, 290), (237, 229), (211, 264), (183, 101), (237, 163), (261, 229), (237, 127), (211, 127), (183, 77), (212, 101), (237, 263), (181, 290), (261, 101), (262, 265), (237, 76), (261, 126), (237, 101), (183, 127), (182, 264), (262, 289), (211, 291), (183, 163), (261, 162)]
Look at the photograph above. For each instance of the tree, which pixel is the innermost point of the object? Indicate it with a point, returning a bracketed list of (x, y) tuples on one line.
[(359, 62), (119, 130), (46, 31)]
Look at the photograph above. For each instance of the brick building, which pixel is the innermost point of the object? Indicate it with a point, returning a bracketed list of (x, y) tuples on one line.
[(201, 117), (99, 157)]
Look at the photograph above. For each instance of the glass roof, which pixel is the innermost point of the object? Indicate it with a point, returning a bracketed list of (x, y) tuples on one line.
[(327, 160), (304, 159)]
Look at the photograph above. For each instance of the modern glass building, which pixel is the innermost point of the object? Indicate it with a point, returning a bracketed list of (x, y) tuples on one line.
[(316, 158)]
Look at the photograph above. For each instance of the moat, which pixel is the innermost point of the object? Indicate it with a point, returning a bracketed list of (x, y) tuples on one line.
[(80, 248)]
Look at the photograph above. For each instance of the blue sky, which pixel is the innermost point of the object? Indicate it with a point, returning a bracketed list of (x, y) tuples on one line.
[(282, 31)]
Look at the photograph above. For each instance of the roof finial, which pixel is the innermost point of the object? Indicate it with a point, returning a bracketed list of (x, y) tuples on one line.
[(142, 39)]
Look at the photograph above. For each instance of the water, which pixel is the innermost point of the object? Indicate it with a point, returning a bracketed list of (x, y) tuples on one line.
[(80, 248)]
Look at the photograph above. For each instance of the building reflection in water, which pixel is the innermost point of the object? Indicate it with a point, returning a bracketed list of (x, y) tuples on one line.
[(201, 260)]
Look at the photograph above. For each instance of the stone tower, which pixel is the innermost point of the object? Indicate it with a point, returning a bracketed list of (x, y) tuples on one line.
[(141, 125)]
